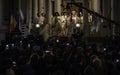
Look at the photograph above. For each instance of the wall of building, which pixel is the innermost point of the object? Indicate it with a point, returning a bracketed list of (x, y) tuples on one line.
[(5, 13), (117, 10), (4, 17)]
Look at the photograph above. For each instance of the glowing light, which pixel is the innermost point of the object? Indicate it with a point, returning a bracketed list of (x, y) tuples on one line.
[(37, 26), (104, 49), (77, 25), (57, 40), (117, 60), (68, 44)]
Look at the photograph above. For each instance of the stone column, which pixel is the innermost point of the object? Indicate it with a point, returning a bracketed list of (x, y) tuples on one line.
[(112, 9), (58, 6), (29, 15), (90, 4), (97, 25), (41, 6), (112, 17), (107, 8), (49, 11), (85, 19), (96, 5), (106, 13), (35, 9), (50, 16)]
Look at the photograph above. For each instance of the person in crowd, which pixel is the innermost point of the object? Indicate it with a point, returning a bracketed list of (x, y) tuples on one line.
[(74, 19), (46, 32), (63, 24), (95, 23), (10, 71), (59, 56), (56, 24), (41, 18)]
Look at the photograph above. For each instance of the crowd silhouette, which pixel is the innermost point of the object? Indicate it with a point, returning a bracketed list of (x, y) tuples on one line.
[(59, 56)]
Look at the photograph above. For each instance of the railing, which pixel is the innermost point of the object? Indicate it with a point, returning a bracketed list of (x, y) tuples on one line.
[(96, 14)]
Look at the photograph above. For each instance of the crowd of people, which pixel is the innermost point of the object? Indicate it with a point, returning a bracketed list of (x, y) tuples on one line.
[(64, 24), (66, 52), (59, 56)]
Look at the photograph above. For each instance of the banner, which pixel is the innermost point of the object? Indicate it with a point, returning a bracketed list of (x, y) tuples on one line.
[(13, 23)]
